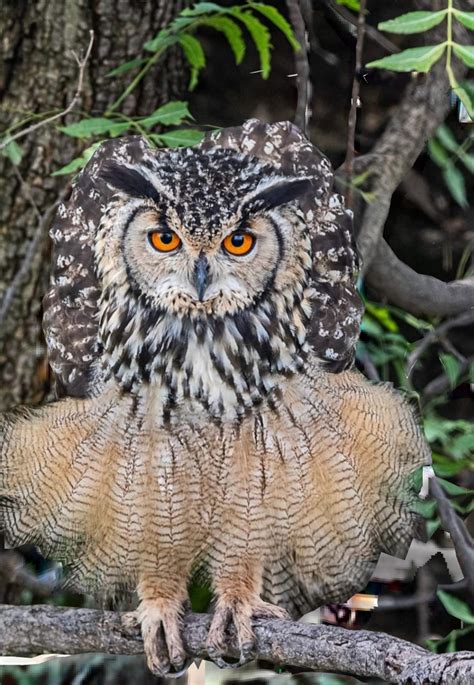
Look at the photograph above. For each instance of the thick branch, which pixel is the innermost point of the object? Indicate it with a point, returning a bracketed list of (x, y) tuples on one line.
[(417, 293), (40, 629)]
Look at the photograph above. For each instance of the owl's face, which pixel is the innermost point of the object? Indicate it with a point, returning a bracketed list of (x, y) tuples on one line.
[(208, 238), (204, 263)]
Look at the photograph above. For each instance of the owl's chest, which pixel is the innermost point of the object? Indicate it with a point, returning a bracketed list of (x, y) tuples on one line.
[(270, 463)]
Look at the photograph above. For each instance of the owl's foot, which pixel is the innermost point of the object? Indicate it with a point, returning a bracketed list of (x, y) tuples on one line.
[(160, 626), (241, 613)]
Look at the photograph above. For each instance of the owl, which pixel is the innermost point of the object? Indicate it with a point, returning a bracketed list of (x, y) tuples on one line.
[(201, 323)]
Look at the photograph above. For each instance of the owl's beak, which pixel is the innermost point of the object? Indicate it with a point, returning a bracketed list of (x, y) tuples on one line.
[(201, 275)]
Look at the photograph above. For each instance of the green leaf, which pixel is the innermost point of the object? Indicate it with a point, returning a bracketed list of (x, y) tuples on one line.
[(117, 128), (126, 66), (413, 22), (466, 98), (446, 137), (425, 508), (171, 114), (78, 162), (437, 153), (195, 55), (456, 184), (182, 137), (466, 18), (462, 446), (413, 59), (180, 23), (163, 40), (432, 527), (456, 607), (383, 315), (465, 53), (467, 160), (351, 4), (14, 152), (278, 20), (371, 327), (451, 368), (260, 36), (87, 127), (452, 489), (232, 32), (202, 8)]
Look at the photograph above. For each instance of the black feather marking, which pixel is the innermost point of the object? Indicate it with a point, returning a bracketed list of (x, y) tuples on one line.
[(130, 182), (282, 192)]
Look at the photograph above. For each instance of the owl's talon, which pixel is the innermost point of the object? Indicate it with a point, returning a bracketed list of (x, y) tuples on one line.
[(180, 669), (241, 614), (162, 640)]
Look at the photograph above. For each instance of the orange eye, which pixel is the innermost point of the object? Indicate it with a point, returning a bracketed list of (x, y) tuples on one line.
[(239, 243), (164, 241)]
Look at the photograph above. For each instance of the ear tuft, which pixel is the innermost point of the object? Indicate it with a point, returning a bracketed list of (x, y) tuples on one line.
[(283, 191), (129, 181)]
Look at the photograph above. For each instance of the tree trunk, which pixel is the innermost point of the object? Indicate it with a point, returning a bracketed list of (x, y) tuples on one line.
[(39, 74)]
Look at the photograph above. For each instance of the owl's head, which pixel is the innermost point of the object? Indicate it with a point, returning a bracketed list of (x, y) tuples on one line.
[(204, 261), (204, 234)]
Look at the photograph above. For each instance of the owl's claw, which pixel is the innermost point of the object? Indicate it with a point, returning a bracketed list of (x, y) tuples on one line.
[(241, 614), (162, 640)]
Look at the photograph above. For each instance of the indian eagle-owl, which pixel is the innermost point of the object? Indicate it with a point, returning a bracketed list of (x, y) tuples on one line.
[(201, 323)]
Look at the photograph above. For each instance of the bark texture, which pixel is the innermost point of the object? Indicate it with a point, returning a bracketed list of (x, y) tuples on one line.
[(39, 74), (43, 629)]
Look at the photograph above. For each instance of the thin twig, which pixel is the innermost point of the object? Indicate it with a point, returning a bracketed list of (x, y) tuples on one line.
[(348, 23), (462, 540), (435, 334), (442, 383), (81, 63), (368, 365), (303, 81), (351, 127)]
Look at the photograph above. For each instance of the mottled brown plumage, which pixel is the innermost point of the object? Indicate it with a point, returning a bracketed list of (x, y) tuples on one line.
[(206, 434)]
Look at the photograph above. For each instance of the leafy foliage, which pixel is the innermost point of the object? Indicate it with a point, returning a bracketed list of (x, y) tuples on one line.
[(231, 22), (389, 337), (423, 59), (446, 152)]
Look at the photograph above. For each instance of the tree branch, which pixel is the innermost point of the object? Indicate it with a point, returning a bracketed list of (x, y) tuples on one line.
[(417, 293), (462, 540), (41, 629)]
